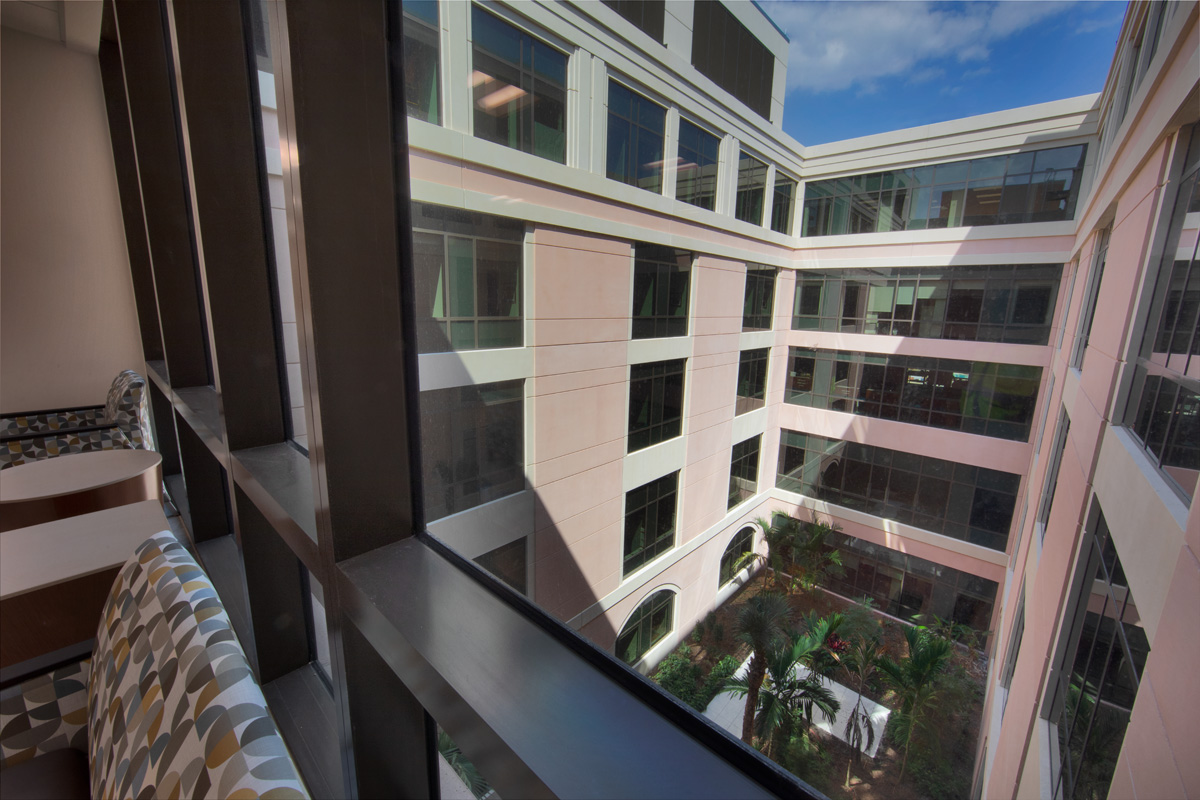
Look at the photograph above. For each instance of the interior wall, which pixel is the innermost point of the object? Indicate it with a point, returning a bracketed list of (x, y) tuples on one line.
[(68, 323)]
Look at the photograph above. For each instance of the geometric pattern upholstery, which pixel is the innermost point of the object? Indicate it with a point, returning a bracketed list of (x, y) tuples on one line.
[(44, 714), (34, 448), (175, 710), (122, 422)]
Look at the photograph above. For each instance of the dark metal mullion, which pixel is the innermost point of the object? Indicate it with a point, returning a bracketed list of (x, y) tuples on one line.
[(1195, 333), (1087, 734)]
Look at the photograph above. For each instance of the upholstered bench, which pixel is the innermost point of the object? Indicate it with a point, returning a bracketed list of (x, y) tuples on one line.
[(166, 707)]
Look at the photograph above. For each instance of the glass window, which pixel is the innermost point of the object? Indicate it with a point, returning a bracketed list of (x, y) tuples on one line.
[(660, 291), (635, 138), (472, 445), (1163, 409), (651, 621), (758, 307), (647, 15), (655, 402), (783, 203), (422, 86), (907, 586), (696, 179), (1101, 661), (725, 51), (733, 559), (1024, 187), (751, 189), (752, 380), (1000, 303), (1062, 429), (468, 279), (507, 562), (1088, 313), (973, 504), (743, 471), (649, 522), (519, 86), (971, 396)]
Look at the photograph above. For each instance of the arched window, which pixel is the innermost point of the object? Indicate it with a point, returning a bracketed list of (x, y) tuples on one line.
[(739, 545), (652, 621)]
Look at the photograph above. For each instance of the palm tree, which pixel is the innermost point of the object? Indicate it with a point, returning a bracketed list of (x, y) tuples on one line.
[(761, 624), (780, 538), (787, 698), (912, 678), (861, 662), (812, 558)]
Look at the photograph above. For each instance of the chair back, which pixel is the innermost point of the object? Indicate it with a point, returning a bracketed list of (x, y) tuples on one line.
[(128, 406)]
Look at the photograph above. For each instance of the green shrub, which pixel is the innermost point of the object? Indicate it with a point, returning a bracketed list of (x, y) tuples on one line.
[(715, 683), (805, 758), (679, 676), (718, 632), (935, 777)]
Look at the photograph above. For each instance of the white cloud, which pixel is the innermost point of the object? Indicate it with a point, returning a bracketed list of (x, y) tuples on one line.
[(838, 45)]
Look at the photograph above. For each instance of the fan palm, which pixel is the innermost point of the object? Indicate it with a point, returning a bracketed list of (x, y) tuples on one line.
[(861, 662)]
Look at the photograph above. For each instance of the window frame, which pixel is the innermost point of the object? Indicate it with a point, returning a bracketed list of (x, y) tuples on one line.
[(728, 570), (629, 175), (649, 268), (658, 375), (745, 463), (643, 617), (639, 555)]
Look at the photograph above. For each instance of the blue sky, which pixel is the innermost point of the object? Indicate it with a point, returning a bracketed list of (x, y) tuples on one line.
[(857, 68)]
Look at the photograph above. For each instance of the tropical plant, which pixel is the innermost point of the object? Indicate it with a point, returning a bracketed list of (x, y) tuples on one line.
[(794, 689), (862, 620), (861, 662), (714, 684), (813, 560), (678, 675), (797, 553), (466, 771), (912, 679), (761, 624)]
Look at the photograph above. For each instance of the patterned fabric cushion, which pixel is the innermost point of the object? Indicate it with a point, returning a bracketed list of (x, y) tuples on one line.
[(44, 714), (175, 710), (128, 406), (34, 448), (25, 424)]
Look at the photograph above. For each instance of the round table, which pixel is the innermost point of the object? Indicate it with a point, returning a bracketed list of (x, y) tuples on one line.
[(65, 486)]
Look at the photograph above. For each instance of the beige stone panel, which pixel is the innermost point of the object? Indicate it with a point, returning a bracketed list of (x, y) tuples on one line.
[(704, 443), (717, 326), (1170, 670), (720, 290), (572, 381), (574, 283), (578, 357), (68, 323), (607, 518), (568, 422), (577, 493), (913, 346), (710, 360), (712, 389), (1122, 782), (579, 331), (574, 240), (555, 469), (718, 418), (1149, 754)]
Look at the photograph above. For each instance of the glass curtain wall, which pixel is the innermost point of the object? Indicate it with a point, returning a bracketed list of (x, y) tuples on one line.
[(978, 397), (636, 128), (696, 178), (1041, 186), (1002, 303), (422, 85)]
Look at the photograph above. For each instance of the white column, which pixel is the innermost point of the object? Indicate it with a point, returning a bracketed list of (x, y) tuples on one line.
[(670, 152), (456, 64)]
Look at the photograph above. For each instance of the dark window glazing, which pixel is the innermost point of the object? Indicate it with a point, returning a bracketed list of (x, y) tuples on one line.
[(971, 396), (732, 559), (507, 562), (905, 586), (649, 522), (696, 179), (655, 402), (1087, 314), (422, 87), (758, 307), (1039, 186), (1164, 406), (647, 15), (472, 445), (752, 380), (783, 204), (1050, 483), (650, 623), (725, 51), (660, 291), (743, 471), (1002, 303), (635, 138), (974, 504), (1100, 665), (751, 189), (468, 279), (519, 85)]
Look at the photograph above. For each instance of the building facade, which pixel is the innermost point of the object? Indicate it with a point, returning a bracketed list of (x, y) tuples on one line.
[(644, 317)]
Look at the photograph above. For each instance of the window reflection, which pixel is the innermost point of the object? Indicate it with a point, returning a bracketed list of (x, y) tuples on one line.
[(635, 138)]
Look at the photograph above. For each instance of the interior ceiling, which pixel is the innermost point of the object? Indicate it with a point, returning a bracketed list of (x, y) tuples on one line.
[(74, 23)]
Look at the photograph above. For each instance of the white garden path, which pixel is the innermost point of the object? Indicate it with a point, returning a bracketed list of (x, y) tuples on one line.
[(727, 710)]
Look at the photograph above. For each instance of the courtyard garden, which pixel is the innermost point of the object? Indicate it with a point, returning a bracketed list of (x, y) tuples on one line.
[(829, 682)]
